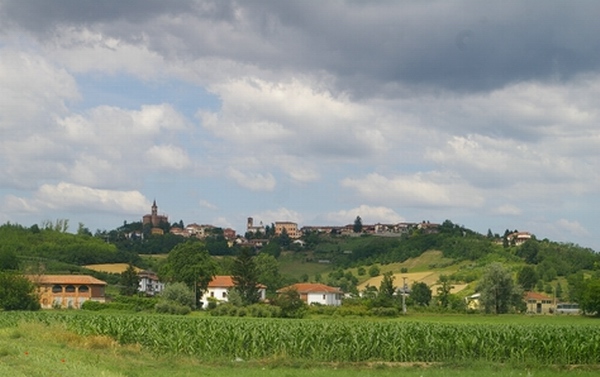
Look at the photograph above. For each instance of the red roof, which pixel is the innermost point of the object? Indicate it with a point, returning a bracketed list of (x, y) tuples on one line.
[(312, 288), (225, 281), (221, 281), (65, 279), (536, 296)]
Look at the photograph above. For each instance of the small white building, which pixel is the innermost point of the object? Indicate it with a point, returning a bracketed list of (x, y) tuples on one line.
[(315, 293), (149, 283), (218, 289)]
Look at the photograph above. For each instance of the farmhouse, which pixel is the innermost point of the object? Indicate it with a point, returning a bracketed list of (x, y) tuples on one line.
[(149, 283), (538, 303), (218, 290), (67, 291), (314, 293)]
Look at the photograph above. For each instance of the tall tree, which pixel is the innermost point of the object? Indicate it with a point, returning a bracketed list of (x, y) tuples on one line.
[(420, 293), (268, 272), (129, 281), (499, 294), (590, 299), (387, 290), (358, 225), (444, 290), (17, 292), (190, 263), (245, 276), (527, 278)]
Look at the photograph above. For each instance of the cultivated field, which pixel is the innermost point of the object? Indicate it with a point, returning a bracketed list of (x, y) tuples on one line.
[(83, 343), (111, 268)]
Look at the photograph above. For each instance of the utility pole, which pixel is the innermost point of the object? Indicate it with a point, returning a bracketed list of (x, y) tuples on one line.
[(404, 295)]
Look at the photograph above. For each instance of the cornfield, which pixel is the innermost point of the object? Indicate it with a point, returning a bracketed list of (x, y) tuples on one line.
[(339, 341)]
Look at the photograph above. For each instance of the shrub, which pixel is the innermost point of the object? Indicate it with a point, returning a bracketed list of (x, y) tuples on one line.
[(179, 293), (384, 312), (93, 305), (172, 307)]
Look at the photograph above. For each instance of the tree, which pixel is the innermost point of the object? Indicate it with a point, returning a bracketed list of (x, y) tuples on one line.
[(498, 292), (527, 278), (17, 292), (8, 260), (245, 276), (387, 290), (191, 264), (420, 293), (176, 298), (444, 290), (284, 238), (268, 272), (291, 304), (129, 281), (373, 271), (358, 226), (590, 299)]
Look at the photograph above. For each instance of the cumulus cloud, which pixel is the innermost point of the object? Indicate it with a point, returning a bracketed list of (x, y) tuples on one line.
[(168, 157), (208, 205), (71, 197), (430, 190), (368, 215), (572, 227), (279, 214), (507, 209), (253, 181)]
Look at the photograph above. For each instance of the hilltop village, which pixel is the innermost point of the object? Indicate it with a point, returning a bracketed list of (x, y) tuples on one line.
[(256, 234)]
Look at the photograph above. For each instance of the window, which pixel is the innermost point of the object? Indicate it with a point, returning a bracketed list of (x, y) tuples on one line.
[(56, 289), (84, 289), (224, 294), (212, 294), (70, 288)]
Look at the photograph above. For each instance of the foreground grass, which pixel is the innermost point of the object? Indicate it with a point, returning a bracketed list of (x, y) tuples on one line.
[(36, 350)]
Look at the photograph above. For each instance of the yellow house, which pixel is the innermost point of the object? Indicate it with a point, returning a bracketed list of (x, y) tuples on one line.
[(67, 291), (538, 303)]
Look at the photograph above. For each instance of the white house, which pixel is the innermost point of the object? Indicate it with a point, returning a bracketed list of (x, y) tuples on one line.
[(218, 289), (315, 293), (149, 283)]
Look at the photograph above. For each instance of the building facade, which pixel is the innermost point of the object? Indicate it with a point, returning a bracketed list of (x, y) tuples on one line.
[(68, 291)]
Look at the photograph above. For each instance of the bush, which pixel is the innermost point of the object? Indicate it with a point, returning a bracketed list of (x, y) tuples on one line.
[(172, 307), (17, 293), (179, 293), (384, 312), (93, 305)]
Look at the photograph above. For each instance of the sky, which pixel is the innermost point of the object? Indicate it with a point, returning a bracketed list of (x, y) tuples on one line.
[(483, 113)]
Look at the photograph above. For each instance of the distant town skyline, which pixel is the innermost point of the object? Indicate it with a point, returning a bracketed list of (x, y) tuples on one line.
[(483, 113)]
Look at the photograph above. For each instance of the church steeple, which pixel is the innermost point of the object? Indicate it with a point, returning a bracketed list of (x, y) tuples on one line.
[(154, 208)]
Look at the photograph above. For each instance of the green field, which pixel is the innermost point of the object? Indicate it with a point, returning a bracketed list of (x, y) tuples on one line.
[(79, 343)]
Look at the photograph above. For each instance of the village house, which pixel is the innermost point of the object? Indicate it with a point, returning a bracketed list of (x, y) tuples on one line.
[(538, 303), (150, 285), (67, 291), (218, 290), (289, 227), (316, 293)]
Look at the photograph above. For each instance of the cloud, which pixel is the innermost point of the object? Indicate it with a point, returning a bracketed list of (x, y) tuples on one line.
[(70, 197), (253, 181), (507, 209), (33, 91), (208, 205), (574, 228), (168, 157), (279, 214), (428, 190), (368, 215)]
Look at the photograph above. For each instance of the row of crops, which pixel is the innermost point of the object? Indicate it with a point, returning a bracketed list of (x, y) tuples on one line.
[(339, 341)]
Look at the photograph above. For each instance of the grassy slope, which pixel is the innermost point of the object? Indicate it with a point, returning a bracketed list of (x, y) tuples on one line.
[(34, 350)]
